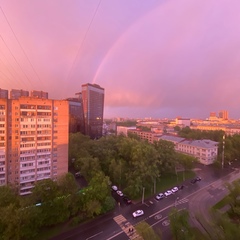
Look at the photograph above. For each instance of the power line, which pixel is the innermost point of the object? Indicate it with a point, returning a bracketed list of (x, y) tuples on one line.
[(20, 45), (15, 59), (69, 75), (10, 71)]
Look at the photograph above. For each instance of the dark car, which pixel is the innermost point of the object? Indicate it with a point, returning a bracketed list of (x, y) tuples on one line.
[(194, 180), (180, 187), (197, 179), (127, 200)]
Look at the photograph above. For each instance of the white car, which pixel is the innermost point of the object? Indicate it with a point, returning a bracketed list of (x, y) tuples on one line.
[(114, 188), (138, 213), (168, 193), (160, 196), (175, 189), (119, 193)]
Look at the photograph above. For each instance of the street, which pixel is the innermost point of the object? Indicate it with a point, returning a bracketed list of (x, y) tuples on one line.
[(196, 198)]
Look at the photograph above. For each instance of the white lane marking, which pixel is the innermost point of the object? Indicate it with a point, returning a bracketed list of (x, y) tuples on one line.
[(95, 235)]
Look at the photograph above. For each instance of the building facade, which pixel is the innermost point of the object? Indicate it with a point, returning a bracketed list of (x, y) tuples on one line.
[(76, 117), (35, 146), (145, 135), (204, 150), (3, 93), (93, 107), (39, 94), (223, 114), (17, 93)]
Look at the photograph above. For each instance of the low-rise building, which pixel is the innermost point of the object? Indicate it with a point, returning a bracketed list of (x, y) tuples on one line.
[(204, 150)]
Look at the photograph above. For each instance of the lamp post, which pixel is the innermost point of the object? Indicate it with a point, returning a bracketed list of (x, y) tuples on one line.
[(223, 151), (176, 201), (143, 194)]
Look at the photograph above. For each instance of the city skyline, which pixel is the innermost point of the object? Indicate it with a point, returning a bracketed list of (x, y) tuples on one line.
[(153, 58)]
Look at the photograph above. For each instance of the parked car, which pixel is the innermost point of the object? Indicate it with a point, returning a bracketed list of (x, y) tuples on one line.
[(168, 193), (160, 196), (138, 213), (127, 200), (197, 179), (175, 189), (77, 174), (114, 188), (193, 180), (119, 193), (180, 187)]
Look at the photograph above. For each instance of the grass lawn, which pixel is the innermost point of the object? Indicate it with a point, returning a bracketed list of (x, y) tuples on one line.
[(220, 204), (169, 180), (199, 235)]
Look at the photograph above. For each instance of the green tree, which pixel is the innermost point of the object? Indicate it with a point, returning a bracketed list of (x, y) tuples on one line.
[(179, 225), (186, 161), (146, 232)]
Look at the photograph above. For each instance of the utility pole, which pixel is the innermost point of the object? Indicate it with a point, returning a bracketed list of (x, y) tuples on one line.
[(223, 151), (154, 186), (143, 195)]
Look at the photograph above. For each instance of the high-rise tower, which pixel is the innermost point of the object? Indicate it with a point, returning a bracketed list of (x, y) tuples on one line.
[(33, 141), (93, 106)]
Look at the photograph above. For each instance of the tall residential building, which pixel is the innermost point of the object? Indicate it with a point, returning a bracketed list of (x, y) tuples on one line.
[(16, 93), (39, 94), (76, 117), (93, 106), (3, 140), (223, 114), (33, 141), (3, 93)]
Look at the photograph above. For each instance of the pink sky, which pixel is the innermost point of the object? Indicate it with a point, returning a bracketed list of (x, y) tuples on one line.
[(157, 59)]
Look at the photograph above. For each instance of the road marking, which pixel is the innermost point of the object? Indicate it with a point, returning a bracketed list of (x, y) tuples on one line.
[(125, 226), (166, 223), (95, 235), (158, 216)]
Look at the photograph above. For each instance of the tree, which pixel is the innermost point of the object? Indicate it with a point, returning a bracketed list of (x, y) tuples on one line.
[(67, 185), (179, 225), (186, 161), (166, 155), (146, 232)]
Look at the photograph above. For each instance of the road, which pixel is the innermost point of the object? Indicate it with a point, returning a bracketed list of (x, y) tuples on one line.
[(196, 197)]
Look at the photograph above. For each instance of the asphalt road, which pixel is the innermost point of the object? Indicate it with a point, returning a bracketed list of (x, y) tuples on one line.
[(195, 197)]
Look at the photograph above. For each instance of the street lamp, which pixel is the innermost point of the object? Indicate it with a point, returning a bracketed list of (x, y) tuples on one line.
[(223, 151), (143, 194), (176, 201)]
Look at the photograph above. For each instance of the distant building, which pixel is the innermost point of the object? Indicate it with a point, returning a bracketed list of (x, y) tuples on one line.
[(39, 94), (213, 116), (93, 106), (184, 122), (3, 94), (16, 93), (76, 117), (124, 130), (145, 135), (33, 141), (223, 114)]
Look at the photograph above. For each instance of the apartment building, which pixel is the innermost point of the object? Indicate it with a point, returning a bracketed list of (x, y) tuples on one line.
[(93, 106), (3, 140), (124, 130), (17, 93), (33, 141), (39, 94), (204, 150), (145, 135)]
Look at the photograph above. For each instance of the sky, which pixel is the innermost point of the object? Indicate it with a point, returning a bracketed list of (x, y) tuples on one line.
[(154, 58)]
